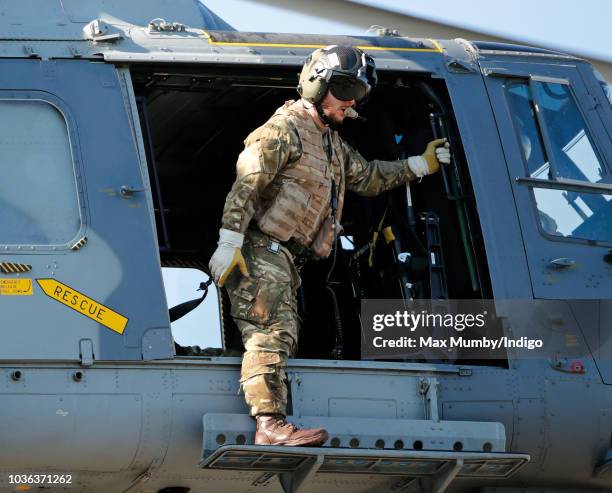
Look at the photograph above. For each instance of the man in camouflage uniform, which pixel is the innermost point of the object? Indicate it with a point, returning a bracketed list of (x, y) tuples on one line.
[(286, 205)]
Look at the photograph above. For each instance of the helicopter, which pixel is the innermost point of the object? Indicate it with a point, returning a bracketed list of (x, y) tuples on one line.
[(121, 124)]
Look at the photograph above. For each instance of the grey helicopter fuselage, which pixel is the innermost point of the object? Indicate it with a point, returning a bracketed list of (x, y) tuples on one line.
[(91, 387)]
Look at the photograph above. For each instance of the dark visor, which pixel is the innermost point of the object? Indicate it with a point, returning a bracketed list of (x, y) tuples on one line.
[(347, 88)]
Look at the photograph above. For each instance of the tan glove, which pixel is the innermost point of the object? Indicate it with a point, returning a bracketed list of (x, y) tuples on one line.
[(437, 151), (227, 256)]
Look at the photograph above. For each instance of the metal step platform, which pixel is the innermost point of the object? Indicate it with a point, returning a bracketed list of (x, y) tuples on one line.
[(295, 466), (446, 450)]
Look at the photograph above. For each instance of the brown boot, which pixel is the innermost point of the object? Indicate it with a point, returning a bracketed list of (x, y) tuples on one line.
[(272, 429)]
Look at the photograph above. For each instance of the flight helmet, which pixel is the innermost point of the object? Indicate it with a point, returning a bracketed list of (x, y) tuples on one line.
[(347, 72)]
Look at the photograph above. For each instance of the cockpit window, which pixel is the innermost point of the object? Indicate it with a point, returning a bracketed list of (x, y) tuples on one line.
[(523, 112), (571, 146), (575, 214), (556, 145), (570, 143)]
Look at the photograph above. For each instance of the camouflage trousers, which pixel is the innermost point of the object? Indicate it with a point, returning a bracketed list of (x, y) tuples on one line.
[(264, 308)]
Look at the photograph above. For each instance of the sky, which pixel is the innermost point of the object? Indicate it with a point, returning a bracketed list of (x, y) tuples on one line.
[(201, 326), (575, 26), (566, 24)]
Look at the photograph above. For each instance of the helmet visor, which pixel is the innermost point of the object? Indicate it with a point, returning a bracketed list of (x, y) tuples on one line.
[(348, 88)]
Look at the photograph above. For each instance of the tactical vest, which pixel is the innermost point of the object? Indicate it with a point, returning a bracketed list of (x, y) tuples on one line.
[(297, 203)]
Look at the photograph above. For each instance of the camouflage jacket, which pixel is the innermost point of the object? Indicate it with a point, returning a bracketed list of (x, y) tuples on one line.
[(270, 147)]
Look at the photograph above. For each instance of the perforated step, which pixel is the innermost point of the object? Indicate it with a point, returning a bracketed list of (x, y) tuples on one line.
[(296, 466), (448, 450), (364, 461)]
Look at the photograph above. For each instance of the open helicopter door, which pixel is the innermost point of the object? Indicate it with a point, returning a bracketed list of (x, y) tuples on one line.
[(79, 267)]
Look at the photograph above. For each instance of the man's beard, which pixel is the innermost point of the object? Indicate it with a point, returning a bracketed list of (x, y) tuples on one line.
[(334, 123), (326, 119)]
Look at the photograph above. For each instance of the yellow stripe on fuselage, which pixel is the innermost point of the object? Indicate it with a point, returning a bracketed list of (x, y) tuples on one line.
[(208, 37)]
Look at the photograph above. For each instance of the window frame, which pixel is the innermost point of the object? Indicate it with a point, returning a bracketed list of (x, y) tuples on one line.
[(77, 170), (563, 184)]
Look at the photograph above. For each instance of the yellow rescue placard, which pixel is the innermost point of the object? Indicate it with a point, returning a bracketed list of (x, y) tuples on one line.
[(83, 304), (16, 287)]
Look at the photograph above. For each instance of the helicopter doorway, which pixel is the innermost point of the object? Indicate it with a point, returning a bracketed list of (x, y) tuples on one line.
[(197, 120)]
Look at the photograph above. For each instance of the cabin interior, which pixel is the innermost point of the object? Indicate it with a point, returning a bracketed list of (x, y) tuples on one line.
[(194, 121)]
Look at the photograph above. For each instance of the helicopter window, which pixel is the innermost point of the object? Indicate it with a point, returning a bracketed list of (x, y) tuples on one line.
[(200, 326), (576, 214), (51, 215), (347, 242), (571, 155), (570, 145), (523, 111)]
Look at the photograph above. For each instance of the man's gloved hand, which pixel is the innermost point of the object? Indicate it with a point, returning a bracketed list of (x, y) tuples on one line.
[(227, 256), (437, 151)]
